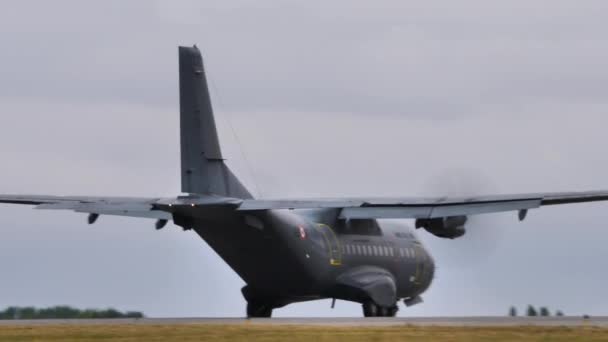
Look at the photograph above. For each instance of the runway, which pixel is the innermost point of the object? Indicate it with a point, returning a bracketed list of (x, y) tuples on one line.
[(337, 322)]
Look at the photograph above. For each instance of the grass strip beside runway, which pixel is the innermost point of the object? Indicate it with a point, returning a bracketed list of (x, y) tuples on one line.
[(267, 333)]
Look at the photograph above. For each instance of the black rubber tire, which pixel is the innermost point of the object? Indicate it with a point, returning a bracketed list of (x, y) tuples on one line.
[(370, 309), (392, 311), (258, 310), (383, 311)]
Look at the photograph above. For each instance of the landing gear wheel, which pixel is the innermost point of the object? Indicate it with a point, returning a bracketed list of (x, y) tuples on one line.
[(258, 310), (383, 311), (392, 311), (370, 309)]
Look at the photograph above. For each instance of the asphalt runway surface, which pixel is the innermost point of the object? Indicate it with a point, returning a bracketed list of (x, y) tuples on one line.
[(340, 322)]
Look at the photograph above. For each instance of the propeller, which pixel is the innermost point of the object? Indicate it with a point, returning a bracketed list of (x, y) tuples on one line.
[(483, 232)]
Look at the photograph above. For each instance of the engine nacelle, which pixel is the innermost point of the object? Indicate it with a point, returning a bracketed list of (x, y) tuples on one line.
[(444, 227)]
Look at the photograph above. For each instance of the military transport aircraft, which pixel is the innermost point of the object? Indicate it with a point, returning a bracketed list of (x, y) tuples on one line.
[(294, 250)]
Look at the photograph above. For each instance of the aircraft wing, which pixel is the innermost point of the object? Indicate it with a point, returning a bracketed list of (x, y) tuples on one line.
[(350, 208), (120, 206), (428, 207), (153, 208)]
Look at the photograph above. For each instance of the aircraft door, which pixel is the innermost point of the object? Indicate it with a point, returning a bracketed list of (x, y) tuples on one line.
[(333, 244)]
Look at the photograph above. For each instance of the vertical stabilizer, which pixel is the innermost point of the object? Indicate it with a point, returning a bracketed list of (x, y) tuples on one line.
[(203, 168)]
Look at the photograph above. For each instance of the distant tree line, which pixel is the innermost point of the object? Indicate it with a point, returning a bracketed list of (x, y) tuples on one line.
[(532, 312), (64, 312)]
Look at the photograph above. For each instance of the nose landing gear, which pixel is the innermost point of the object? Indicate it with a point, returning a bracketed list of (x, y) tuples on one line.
[(371, 309)]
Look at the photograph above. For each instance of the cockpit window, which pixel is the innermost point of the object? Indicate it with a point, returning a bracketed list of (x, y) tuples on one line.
[(317, 238), (405, 235), (358, 227)]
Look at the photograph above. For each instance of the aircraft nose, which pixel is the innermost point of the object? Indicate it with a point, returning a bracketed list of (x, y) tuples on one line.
[(431, 267), (428, 269)]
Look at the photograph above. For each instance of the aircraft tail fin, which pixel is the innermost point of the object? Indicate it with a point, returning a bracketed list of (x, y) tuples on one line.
[(203, 170)]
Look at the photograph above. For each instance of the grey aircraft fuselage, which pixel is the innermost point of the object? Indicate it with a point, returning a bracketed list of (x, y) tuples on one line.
[(288, 256)]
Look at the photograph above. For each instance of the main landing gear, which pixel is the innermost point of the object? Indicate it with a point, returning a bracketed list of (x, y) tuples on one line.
[(258, 310), (371, 309)]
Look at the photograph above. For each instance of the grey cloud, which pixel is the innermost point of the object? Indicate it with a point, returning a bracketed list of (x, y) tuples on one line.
[(398, 58)]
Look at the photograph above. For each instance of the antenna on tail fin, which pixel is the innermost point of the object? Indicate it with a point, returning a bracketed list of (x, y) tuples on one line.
[(203, 167)]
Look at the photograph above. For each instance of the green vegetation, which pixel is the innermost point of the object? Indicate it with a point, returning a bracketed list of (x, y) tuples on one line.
[(254, 333), (64, 312), (531, 312), (544, 312)]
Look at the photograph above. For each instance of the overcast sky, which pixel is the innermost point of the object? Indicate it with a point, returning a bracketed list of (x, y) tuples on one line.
[(337, 98)]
